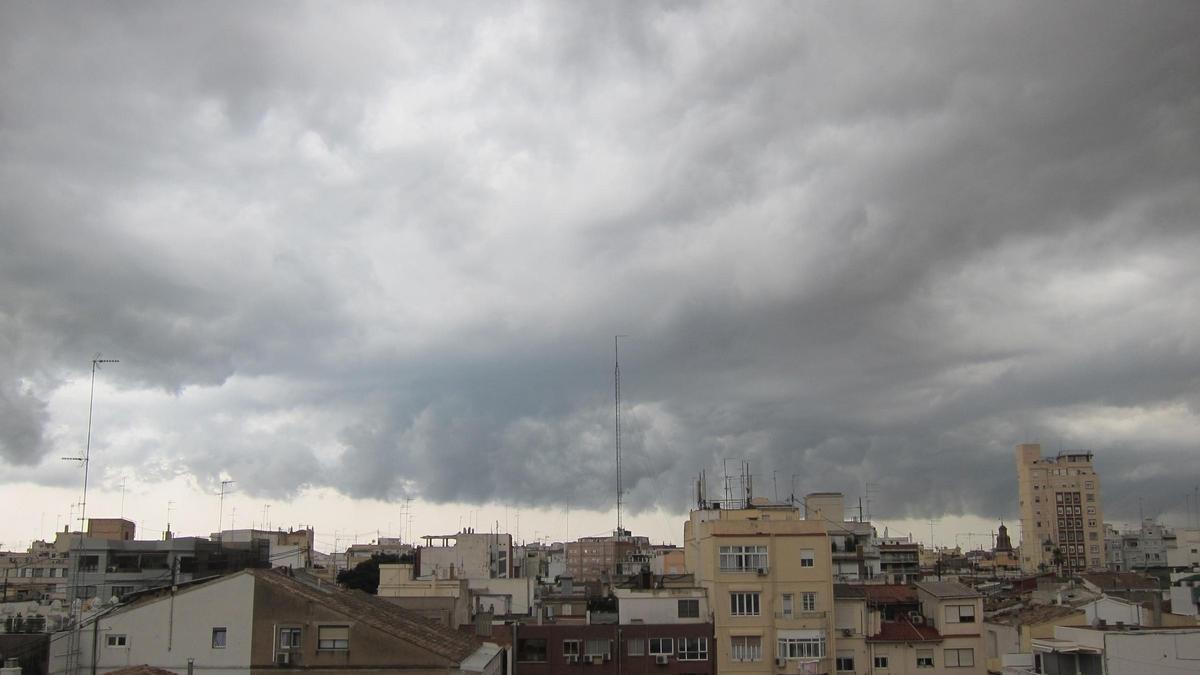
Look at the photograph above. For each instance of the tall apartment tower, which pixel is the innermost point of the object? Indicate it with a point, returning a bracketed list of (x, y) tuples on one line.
[(1060, 511)]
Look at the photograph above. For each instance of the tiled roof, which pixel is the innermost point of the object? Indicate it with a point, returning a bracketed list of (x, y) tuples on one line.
[(905, 631), (379, 614), (849, 592), (947, 589), (1035, 615), (1119, 581), (890, 594)]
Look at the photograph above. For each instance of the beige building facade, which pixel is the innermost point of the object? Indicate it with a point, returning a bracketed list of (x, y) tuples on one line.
[(1062, 516), (768, 576)]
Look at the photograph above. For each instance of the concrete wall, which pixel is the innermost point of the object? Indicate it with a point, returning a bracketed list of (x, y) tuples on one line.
[(1144, 653), (659, 606), (165, 633)]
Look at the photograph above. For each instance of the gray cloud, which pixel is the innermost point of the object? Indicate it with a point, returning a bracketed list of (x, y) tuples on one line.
[(385, 250)]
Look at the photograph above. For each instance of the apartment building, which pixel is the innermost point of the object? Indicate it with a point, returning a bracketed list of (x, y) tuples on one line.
[(768, 575), (597, 558), (466, 555), (263, 620), (1062, 516), (878, 631), (37, 574), (1139, 549)]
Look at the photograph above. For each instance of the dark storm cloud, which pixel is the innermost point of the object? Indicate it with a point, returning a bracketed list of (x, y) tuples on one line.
[(385, 251)]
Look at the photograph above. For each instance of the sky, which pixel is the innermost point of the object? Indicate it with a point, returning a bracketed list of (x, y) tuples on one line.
[(357, 254)]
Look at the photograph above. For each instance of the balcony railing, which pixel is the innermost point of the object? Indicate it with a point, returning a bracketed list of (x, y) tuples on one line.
[(800, 615)]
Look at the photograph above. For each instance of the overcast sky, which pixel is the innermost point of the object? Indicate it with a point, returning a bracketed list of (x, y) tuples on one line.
[(373, 251)]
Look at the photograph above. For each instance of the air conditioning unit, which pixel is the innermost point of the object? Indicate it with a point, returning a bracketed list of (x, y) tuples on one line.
[(781, 663), (661, 659), (597, 659), (607, 657), (916, 618), (847, 632), (283, 659)]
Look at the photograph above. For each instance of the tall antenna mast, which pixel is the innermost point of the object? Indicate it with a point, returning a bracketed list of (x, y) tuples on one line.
[(617, 424)]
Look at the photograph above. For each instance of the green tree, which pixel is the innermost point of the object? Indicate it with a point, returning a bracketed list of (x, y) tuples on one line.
[(365, 575)]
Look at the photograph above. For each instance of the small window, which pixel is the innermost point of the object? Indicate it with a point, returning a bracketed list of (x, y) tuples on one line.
[(662, 646), (960, 613), (745, 648), (689, 609), (334, 637), (924, 658), (693, 649), (844, 661), (218, 637), (807, 558), (959, 658), (595, 647), (289, 638), (532, 650), (743, 604), (570, 647), (635, 646), (808, 602), (116, 641), (788, 605), (881, 662)]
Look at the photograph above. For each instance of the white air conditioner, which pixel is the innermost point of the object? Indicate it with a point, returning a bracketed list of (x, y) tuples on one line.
[(762, 571), (847, 632), (781, 663), (661, 659), (283, 659)]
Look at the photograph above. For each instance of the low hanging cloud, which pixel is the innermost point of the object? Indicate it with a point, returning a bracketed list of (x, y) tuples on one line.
[(385, 249)]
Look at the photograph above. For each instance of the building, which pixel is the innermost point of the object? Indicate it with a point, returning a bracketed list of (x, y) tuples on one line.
[(856, 552), (1009, 635), (467, 555), (899, 560), (261, 620), (1115, 651), (599, 558), (1183, 550), (663, 625), (293, 548), (1185, 595), (360, 553), (102, 569), (37, 574), (1062, 516), (878, 632), (768, 574), (1140, 549)]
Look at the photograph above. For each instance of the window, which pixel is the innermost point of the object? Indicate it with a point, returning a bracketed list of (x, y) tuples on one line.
[(960, 613), (788, 607), (745, 648), (924, 658), (289, 638), (743, 558), (743, 604), (801, 648), (116, 641), (595, 647), (89, 563), (218, 638), (635, 646), (808, 602), (844, 661), (570, 647), (531, 649), (662, 646), (693, 649), (689, 609), (959, 658), (881, 662), (807, 559), (337, 637), (85, 592), (1091, 497)]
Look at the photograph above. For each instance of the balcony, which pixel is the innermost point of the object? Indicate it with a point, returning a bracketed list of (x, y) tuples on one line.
[(800, 615)]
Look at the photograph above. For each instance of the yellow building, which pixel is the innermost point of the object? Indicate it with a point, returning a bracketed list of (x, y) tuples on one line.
[(1062, 519), (768, 575)]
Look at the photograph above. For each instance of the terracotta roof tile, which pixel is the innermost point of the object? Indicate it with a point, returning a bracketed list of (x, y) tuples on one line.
[(904, 631)]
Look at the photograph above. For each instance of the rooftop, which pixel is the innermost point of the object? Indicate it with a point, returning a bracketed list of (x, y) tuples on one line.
[(905, 631), (849, 592), (1121, 581), (890, 594), (947, 589), (1037, 614)]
